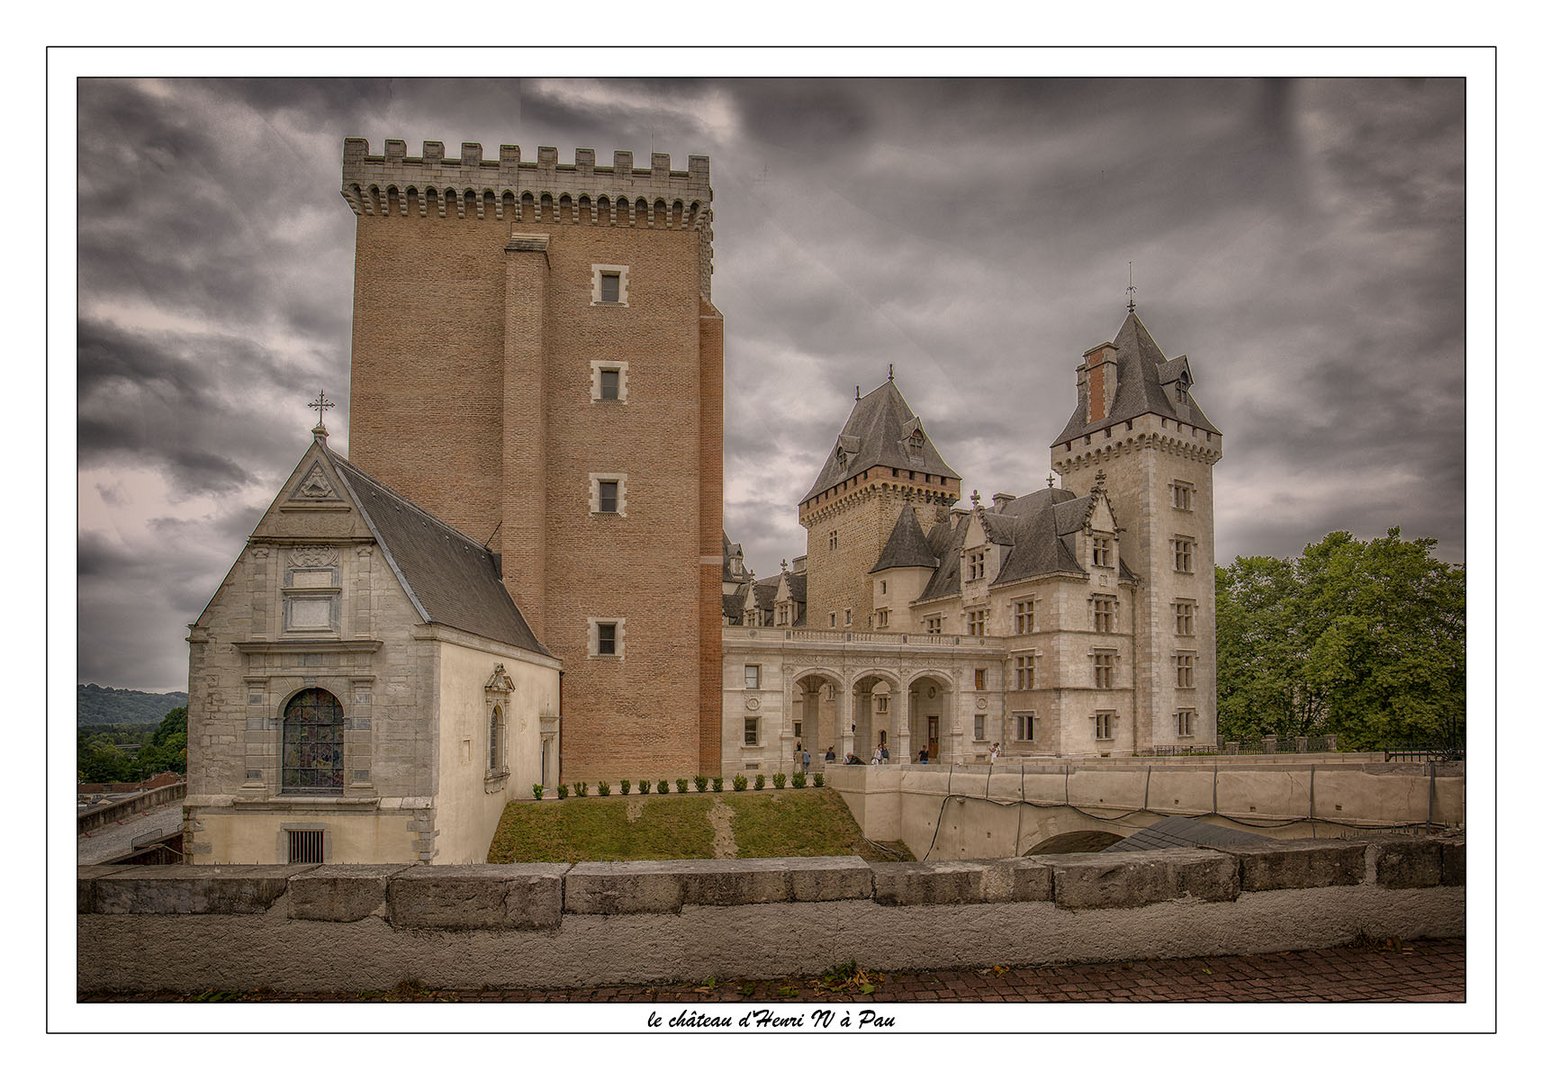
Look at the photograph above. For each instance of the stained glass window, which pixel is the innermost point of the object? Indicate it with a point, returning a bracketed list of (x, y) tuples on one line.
[(313, 742)]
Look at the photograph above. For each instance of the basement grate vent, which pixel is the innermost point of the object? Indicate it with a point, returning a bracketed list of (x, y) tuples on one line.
[(305, 845)]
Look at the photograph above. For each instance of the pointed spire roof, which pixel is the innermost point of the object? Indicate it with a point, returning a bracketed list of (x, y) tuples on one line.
[(1147, 384), (907, 545), (881, 431)]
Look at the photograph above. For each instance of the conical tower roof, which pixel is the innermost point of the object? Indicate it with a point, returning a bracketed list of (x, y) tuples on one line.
[(881, 431), (907, 545), (1144, 373)]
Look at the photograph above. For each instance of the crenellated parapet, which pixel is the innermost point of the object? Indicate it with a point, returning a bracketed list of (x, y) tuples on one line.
[(544, 191)]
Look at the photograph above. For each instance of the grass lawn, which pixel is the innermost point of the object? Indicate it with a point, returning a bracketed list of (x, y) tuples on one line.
[(597, 830), (746, 825)]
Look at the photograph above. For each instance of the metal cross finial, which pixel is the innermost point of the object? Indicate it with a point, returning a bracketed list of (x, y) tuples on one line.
[(784, 566), (321, 405), (1050, 479), (1130, 288), (975, 497), (892, 373), (857, 392)]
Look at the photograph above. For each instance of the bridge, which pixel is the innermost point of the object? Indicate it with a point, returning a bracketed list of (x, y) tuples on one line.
[(1053, 806)]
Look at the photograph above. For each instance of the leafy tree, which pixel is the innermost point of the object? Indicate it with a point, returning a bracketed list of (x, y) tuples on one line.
[(1361, 638), (166, 749)]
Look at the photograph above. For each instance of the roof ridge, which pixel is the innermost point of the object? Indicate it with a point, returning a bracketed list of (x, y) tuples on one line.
[(399, 497)]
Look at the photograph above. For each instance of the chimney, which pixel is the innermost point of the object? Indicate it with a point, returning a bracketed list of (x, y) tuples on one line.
[(1101, 375)]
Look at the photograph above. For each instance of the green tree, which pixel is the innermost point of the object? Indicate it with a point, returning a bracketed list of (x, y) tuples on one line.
[(167, 748), (1364, 639), (1261, 648)]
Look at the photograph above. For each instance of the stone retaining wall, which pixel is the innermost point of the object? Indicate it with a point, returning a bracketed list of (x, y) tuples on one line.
[(347, 929)]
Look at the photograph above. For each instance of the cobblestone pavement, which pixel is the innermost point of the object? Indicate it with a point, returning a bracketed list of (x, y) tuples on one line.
[(1390, 971)]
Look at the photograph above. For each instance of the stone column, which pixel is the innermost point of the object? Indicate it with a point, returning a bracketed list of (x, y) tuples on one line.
[(900, 716), (843, 723)]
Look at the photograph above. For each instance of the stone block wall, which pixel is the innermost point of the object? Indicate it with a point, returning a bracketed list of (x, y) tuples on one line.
[(346, 929)]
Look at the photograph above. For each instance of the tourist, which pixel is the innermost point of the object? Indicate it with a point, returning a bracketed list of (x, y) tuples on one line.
[(830, 753), (806, 761), (921, 759), (996, 749)]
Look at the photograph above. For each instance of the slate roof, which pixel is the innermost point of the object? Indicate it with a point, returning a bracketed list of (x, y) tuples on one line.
[(1143, 374), (946, 539), (1037, 532), (449, 577), (1182, 832), (907, 544), (734, 607), (877, 434)]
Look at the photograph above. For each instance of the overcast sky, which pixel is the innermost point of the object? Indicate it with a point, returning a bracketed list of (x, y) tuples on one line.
[(1301, 242)]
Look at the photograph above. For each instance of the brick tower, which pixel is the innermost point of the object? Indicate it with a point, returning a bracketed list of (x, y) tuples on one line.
[(537, 361), (882, 459), (1138, 424)]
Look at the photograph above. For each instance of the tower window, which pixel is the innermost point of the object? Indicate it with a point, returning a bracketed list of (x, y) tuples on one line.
[(1103, 726), (1103, 614), (1184, 671), (1023, 727), (1183, 495), (610, 384), (1103, 669), (833, 540), (607, 637), (608, 285), (1183, 555), (1184, 618), (608, 493), (1184, 723)]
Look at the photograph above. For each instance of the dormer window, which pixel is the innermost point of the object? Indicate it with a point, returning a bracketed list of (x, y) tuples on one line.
[(916, 439), (975, 565), (1103, 551), (1183, 388)]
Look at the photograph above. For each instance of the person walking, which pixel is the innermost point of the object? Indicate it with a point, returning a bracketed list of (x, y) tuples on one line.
[(806, 761), (996, 749)]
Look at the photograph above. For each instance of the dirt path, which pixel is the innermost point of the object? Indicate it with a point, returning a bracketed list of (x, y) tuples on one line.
[(721, 818)]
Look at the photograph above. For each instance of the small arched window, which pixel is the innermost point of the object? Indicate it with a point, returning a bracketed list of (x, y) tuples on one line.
[(496, 739), (313, 743)]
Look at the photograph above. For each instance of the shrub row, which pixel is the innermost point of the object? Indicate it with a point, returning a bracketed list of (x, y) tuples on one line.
[(740, 783)]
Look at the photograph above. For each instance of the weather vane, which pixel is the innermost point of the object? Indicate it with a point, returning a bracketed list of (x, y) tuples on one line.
[(321, 405), (1130, 288)]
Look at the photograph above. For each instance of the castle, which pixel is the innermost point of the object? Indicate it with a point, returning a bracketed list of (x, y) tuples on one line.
[(521, 573), (1050, 623)]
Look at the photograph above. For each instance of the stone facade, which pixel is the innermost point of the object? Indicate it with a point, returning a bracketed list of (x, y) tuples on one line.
[(1053, 623), (525, 332), (319, 607)]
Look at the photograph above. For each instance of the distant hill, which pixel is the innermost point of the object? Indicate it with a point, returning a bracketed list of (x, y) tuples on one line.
[(105, 705)]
